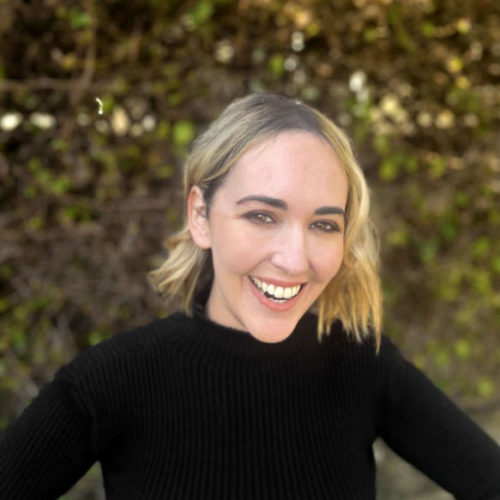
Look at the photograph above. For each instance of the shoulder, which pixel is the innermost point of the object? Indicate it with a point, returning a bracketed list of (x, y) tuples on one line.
[(345, 343), (135, 345), (351, 360)]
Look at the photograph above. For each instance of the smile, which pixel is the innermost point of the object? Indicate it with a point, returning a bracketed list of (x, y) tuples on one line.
[(275, 293)]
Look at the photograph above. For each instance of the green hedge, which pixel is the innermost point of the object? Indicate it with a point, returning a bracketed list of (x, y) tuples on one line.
[(86, 198)]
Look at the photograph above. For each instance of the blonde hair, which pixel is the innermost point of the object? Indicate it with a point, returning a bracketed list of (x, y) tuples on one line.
[(353, 296)]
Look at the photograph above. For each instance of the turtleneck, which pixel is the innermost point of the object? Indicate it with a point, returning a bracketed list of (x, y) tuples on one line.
[(232, 343), (186, 408)]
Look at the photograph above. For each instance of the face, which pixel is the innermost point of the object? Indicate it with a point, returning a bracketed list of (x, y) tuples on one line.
[(276, 230)]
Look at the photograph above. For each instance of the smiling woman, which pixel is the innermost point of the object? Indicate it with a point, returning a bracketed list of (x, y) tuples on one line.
[(275, 380), (268, 158), (268, 234)]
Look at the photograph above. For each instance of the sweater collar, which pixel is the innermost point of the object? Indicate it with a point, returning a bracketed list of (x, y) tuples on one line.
[(243, 344)]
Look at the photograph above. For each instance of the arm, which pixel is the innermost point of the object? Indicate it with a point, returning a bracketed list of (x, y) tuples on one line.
[(48, 448), (425, 428)]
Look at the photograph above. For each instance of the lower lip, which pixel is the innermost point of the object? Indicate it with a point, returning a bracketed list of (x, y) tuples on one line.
[(274, 306)]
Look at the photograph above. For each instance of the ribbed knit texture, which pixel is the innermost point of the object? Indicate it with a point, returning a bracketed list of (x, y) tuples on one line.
[(187, 409)]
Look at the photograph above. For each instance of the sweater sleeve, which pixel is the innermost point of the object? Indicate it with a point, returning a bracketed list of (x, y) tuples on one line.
[(49, 447), (425, 428)]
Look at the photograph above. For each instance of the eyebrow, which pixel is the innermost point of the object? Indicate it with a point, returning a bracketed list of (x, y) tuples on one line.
[(277, 203)]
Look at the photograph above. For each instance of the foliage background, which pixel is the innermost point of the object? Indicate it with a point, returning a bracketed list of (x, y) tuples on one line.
[(86, 199)]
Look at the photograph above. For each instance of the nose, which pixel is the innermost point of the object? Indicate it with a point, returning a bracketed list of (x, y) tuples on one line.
[(290, 253)]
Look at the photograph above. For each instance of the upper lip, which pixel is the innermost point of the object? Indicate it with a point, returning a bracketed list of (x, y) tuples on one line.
[(284, 284)]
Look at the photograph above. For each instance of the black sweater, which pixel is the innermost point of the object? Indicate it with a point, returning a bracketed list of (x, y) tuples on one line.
[(187, 409)]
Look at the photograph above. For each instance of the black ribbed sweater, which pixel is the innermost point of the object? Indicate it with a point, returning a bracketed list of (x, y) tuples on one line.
[(187, 409)]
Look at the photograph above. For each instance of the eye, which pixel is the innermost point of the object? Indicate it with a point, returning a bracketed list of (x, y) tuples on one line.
[(259, 217), (326, 226)]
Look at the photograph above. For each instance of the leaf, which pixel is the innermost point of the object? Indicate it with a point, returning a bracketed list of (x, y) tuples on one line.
[(183, 133), (202, 12), (78, 19), (485, 387), (398, 238), (428, 29), (495, 264), (388, 169), (165, 171), (462, 349), (276, 65), (481, 247)]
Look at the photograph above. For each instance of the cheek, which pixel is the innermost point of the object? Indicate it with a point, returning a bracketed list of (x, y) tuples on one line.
[(328, 261), (235, 250)]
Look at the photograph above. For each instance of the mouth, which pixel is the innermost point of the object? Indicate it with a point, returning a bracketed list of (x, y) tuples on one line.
[(275, 293)]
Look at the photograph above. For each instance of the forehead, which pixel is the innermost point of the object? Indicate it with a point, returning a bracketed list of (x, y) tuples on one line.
[(291, 165)]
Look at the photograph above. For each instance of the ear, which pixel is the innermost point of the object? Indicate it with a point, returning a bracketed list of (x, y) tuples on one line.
[(199, 226)]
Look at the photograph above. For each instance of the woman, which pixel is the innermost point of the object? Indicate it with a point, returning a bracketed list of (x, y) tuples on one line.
[(246, 394)]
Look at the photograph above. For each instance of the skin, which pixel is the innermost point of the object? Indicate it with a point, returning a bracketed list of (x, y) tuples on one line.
[(279, 217)]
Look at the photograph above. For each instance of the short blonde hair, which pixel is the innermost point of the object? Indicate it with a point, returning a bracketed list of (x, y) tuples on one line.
[(353, 296)]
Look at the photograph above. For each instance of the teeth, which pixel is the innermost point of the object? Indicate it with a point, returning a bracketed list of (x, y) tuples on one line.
[(277, 292)]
